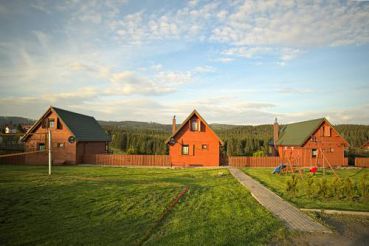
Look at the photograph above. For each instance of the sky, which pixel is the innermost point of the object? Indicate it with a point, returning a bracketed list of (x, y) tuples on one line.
[(236, 62)]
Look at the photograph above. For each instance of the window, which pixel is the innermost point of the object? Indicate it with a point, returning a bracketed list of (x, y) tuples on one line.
[(326, 131), (204, 146), (194, 125), (51, 123), (59, 124), (41, 146), (314, 153), (185, 149)]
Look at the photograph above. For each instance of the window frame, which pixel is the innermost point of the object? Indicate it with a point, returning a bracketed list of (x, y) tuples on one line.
[(194, 123), (39, 146), (185, 146), (51, 121), (314, 153)]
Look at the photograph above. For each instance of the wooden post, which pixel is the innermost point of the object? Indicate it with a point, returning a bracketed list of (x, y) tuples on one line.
[(49, 152)]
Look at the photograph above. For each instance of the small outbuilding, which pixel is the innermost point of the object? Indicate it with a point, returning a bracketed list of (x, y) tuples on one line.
[(74, 138), (310, 143), (194, 143)]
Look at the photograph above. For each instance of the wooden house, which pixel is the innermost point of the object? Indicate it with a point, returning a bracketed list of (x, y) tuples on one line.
[(74, 138), (194, 143), (310, 143)]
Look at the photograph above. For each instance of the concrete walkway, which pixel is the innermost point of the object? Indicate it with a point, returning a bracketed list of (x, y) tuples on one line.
[(292, 216)]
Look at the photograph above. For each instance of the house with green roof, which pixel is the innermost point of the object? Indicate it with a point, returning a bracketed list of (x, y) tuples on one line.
[(75, 138), (310, 143)]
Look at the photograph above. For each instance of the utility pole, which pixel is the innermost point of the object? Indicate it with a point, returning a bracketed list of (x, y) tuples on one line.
[(49, 152)]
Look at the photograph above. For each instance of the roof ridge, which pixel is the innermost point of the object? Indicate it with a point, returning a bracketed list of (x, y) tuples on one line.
[(322, 118), (68, 111)]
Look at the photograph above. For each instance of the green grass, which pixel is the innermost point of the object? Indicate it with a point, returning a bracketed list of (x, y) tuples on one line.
[(118, 206), (277, 183)]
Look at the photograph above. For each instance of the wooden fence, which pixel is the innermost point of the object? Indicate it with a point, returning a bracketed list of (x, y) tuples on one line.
[(131, 160), (13, 160), (361, 162), (245, 161)]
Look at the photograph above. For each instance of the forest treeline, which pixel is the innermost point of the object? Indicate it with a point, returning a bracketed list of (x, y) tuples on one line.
[(149, 138)]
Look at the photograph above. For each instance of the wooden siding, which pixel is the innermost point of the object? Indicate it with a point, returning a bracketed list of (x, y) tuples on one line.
[(129, 160), (361, 162), (197, 156), (333, 147)]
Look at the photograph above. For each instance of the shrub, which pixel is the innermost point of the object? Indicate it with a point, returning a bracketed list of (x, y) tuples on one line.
[(348, 188), (309, 185), (292, 185), (336, 188), (364, 187), (323, 188), (259, 153)]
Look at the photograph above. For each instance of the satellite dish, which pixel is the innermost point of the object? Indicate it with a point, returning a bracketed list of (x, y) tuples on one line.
[(71, 139), (172, 141)]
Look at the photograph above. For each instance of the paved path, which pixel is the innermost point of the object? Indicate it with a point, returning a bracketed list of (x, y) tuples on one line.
[(292, 216)]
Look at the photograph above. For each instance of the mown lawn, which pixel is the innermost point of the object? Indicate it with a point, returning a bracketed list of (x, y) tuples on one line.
[(278, 184), (119, 206)]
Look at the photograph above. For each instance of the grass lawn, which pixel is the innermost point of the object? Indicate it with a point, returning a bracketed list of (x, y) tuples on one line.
[(278, 184), (118, 206)]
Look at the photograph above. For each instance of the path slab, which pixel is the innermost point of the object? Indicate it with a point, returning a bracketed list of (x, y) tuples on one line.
[(292, 216)]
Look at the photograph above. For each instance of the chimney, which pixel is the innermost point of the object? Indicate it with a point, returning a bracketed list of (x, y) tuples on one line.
[(174, 124), (275, 131)]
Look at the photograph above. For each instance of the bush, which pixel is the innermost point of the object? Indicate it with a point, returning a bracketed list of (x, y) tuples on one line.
[(323, 189), (292, 185), (364, 187), (348, 189), (336, 188), (259, 153), (309, 185)]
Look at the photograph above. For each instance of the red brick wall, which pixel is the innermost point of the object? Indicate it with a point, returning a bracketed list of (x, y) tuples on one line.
[(195, 140), (332, 146)]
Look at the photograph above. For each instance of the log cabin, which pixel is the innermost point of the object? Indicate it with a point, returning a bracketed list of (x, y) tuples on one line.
[(310, 143), (194, 143), (74, 138)]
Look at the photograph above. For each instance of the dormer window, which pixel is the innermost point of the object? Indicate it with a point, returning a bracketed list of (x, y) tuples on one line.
[(194, 125)]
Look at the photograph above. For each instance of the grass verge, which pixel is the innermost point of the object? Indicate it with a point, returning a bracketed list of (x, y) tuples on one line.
[(116, 206), (278, 184)]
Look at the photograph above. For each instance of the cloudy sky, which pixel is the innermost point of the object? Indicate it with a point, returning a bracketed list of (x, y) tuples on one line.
[(239, 62)]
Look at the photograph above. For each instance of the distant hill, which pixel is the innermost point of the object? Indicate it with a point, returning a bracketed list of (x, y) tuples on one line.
[(5, 120), (148, 137)]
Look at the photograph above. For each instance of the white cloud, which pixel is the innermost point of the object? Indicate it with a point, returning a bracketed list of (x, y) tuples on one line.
[(204, 69)]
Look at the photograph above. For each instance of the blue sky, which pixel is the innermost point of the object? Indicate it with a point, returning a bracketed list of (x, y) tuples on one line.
[(237, 62)]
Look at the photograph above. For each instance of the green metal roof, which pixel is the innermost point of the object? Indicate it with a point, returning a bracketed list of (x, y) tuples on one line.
[(297, 134), (84, 128)]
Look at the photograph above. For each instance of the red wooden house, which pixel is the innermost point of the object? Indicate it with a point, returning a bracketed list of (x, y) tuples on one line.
[(74, 138), (194, 143), (310, 143)]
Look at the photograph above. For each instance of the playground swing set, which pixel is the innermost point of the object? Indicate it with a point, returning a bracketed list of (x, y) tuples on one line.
[(296, 163)]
